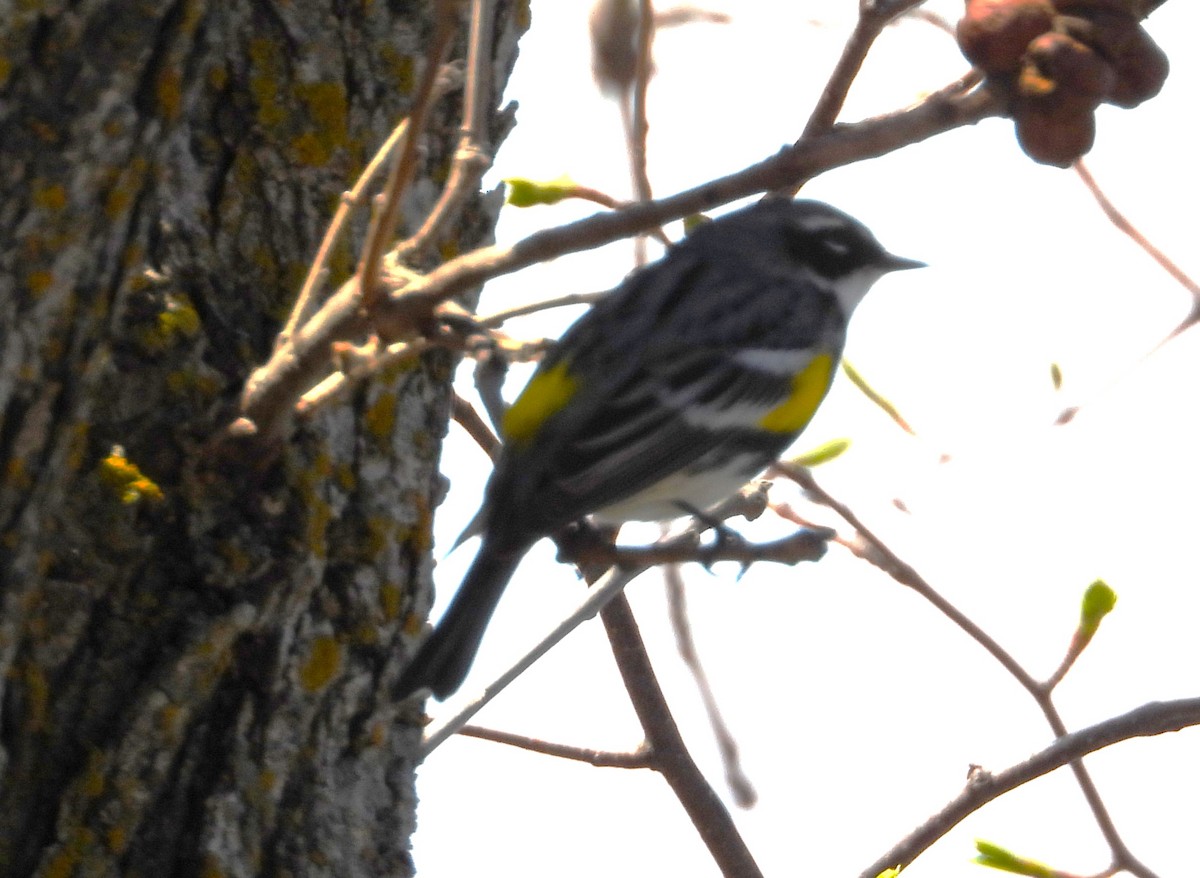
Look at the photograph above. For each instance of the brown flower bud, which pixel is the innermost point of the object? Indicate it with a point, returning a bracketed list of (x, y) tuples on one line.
[(993, 34), (1053, 137), (1141, 66), (1141, 73), (1063, 72)]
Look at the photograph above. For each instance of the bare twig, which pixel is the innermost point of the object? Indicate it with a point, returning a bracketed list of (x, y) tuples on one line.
[(597, 596), (473, 156), (749, 502), (1155, 718), (599, 758), (1123, 224), (303, 361), (677, 15), (873, 17), (708, 815), (849, 143), (735, 777), (936, 19), (872, 549), (450, 78), (490, 372), (638, 120), (466, 416), (804, 545), (501, 317), (404, 167)]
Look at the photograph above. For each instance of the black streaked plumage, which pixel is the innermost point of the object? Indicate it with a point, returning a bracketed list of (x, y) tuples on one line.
[(673, 374)]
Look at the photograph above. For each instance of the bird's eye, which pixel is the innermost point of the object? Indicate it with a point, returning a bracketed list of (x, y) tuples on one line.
[(835, 245), (830, 251)]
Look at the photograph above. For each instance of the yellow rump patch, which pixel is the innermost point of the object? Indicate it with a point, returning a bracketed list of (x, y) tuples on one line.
[(545, 394), (808, 389)]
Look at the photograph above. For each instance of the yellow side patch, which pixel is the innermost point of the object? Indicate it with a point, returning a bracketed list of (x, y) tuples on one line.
[(808, 389), (545, 394)]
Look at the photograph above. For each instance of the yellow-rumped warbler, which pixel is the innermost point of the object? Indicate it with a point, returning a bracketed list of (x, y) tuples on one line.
[(666, 397)]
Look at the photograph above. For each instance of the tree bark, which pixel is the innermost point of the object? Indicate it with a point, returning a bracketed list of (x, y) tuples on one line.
[(196, 649)]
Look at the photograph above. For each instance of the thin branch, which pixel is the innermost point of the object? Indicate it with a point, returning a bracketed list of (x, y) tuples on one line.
[(404, 168), (303, 361), (873, 550), (608, 587), (473, 156), (501, 317), (870, 548), (598, 758), (873, 17), (846, 144), (450, 79), (638, 124), (334, 386), (735, 776), (1122, 856), (708, 815), (687, 14), (490, 372), (608, 582), (1155, 718), (466, 416), (1123, 224), (936, 20), (581, 548)]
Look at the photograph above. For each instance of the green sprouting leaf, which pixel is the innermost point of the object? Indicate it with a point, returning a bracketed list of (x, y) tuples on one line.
[(1098, 602), (996, 857), (822, 453), (523, 192), (888, 873), (1056, 376), (876, 397), (693, 221)]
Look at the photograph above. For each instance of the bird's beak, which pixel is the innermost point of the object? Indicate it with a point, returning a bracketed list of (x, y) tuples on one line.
[(892, 262)]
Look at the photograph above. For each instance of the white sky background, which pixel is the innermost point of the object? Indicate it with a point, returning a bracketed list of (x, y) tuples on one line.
[(857, 707)]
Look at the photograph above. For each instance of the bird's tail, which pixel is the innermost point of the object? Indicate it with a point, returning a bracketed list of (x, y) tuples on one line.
[(443, 660)]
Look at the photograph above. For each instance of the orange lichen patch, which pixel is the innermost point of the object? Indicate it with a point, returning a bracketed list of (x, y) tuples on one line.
[(324, 660), (123, 476)]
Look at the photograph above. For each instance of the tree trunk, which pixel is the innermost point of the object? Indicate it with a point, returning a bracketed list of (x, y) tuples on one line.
[(195, 650)]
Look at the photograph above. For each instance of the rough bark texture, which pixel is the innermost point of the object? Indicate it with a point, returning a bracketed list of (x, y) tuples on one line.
[(195, 651)]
